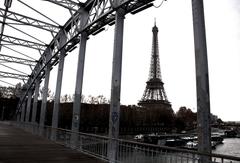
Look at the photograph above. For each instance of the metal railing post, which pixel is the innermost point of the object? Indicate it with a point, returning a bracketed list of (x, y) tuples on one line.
[(130, 151)]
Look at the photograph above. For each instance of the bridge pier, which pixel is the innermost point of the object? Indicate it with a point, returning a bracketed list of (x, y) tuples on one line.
[(114, 115), (35, 101), (202, 80), (44, 95), (55, 115)]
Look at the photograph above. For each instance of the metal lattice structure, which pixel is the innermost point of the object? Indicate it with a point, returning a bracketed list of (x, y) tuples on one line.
[(53, 41), (12, 59), (154, 92), (13, 75), (87, 17)]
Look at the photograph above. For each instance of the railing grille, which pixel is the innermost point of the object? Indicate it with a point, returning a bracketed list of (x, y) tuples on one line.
[(128, 151)]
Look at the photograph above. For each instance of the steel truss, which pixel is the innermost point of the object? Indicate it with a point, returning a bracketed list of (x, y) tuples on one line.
[(25, 20), (7, 4), (68, 4), (100, 13), (7, 58), (13, 75), (89, 17), (21, 42)]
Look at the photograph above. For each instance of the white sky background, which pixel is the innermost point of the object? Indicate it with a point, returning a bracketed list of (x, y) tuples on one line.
[(176, 49)]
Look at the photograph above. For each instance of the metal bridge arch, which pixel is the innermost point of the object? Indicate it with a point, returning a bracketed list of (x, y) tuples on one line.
[(89, 17)]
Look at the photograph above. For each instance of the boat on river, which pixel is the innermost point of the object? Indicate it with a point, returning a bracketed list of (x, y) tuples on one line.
[(186, 142)]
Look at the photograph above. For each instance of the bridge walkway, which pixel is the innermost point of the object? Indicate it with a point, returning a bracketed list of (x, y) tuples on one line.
[(18, 146)]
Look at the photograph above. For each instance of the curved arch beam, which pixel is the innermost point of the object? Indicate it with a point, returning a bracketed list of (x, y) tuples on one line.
[(68, 4), (101, 13)]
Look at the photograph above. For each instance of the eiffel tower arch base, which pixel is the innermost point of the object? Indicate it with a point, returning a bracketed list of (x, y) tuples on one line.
[(159, 113)]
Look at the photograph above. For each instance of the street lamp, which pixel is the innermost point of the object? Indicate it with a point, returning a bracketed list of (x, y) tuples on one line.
[(8, 3)]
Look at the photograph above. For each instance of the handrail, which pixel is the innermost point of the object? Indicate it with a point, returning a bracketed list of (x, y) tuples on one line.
[(80, 133), (183, 150), (151, 145), (139, 143)]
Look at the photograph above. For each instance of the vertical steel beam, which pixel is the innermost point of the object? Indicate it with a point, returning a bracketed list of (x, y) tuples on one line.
[(202, 80), (28, 105), (44, 96), (114, 115), (35, 101), (55, 116), (78, 90), (23, 111), (79, 82)]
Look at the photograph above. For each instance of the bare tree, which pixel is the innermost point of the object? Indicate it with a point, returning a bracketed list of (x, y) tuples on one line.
[(100, 99), (50, 96), (67, 98), (10, 92)]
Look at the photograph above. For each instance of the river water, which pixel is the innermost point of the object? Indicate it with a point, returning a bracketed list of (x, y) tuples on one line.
[(230, 146)]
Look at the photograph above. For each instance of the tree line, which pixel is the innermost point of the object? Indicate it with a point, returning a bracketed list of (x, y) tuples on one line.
[(95, 113)]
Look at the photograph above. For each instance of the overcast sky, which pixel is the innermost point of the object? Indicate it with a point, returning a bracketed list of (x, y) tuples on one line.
[(176, 49)]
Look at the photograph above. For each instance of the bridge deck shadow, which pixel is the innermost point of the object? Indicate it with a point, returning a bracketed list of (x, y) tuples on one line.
[(18, 146)]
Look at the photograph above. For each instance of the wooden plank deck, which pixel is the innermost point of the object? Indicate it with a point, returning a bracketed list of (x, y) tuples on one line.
[(18, 146)]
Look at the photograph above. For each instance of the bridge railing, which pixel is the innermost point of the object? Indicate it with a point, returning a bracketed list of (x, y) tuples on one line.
[(128, 151)]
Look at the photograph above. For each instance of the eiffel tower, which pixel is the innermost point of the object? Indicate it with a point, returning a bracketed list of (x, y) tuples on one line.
[(154, 96)]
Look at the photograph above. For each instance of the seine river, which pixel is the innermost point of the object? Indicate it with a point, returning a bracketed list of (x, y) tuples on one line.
[(230, 146)]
